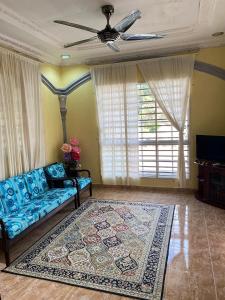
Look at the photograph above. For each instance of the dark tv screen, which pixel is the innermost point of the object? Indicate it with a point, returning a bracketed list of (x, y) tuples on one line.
[(210, 148)]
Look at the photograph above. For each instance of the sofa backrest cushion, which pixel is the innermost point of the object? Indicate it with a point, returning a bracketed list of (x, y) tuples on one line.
[(56, 170), (20, 187), (2, 210), (34, 181), (40, 174), (10, 200)]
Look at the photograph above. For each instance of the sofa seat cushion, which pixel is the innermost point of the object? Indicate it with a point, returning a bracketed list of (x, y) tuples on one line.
[(17, 222), (9, 197), (43, 207), (34, 180), (56, 170), (82, 182), (58, 194)]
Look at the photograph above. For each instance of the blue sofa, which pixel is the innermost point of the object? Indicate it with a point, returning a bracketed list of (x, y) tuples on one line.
[(26, 201), (58, 175)]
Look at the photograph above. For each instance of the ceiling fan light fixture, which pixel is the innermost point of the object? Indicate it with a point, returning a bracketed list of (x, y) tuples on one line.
[(65, 56)]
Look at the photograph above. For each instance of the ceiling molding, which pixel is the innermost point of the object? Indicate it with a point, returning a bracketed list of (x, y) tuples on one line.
[(24, 48), (30, 29), (17, 20)]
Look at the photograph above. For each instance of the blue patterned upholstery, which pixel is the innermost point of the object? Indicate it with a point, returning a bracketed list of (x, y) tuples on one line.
[(82, 182), (2, 210), (56, 170), (36, 183), (9, 196), (20, 187), (40, 175), (16, 222), (58, 194), (26, 198)]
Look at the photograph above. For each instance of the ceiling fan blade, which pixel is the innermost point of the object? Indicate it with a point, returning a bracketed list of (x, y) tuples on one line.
[(77, 26), (140, 37), (128, 21), (113, 46), (80, 42)]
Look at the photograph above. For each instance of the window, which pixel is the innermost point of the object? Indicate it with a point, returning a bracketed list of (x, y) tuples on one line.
[(158, 140)]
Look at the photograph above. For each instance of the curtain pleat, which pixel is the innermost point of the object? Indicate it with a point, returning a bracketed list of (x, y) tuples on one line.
[(170, 79), (21, 124), (117, 107)]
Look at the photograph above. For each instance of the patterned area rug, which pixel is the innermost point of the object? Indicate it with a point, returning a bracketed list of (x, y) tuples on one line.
[(113, 246)]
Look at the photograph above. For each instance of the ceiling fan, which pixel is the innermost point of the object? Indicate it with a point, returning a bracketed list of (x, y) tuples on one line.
[(109, 35)]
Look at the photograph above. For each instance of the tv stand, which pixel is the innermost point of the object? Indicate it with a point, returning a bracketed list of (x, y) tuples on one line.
[(211, 183)]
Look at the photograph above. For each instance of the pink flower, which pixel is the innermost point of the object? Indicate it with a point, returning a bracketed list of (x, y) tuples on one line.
[(74, 141), (66, 148), (75, 155), (75, 149)]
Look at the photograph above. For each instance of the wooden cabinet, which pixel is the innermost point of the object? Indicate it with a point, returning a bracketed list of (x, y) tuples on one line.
[(211, 183)]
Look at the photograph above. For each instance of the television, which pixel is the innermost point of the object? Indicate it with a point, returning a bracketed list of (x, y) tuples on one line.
[(210, 148)]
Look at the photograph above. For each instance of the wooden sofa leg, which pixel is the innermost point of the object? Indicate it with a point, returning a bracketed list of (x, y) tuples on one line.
[(78, 198), (75, 201), (5, 247), (90, 188), (5, 243)]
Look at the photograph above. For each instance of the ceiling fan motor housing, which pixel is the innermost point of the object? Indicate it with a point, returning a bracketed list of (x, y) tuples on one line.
[(108, 35)]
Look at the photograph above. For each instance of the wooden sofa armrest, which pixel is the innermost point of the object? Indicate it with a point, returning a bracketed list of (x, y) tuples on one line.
[(82, 170), (60, 181)]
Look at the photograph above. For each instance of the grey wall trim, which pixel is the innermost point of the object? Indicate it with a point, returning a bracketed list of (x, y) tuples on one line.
[(62, 96), (210, 69), (199, 66), (63, 93), (68, 89)]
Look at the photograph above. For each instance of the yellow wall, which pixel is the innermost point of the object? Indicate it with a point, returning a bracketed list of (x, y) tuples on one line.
[(207, 114), (207, 110), (82, 119), (52, 119)]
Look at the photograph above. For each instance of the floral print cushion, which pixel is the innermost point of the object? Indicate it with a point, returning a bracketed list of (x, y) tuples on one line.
[(2, 210), (56, 170), (44, 207), (17, 222), (40, 175), (36, 182), (58, 194), (82, 182), (10, 200), (20, 187)]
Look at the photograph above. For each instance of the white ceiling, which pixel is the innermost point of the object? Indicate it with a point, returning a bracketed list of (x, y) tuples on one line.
[(27, 25)]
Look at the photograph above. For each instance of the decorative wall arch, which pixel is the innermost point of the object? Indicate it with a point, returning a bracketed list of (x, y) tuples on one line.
[(64, 92)]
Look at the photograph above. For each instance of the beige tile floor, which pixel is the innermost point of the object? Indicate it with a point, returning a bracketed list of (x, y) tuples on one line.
[(196, 261)]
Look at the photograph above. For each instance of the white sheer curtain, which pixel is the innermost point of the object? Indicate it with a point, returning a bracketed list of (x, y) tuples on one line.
[(117, 105), (21, 127), (170, 80)]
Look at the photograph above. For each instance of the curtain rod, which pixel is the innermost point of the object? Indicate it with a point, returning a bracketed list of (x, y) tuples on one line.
[(21, 53), (145, 57)]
